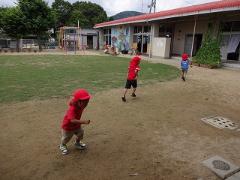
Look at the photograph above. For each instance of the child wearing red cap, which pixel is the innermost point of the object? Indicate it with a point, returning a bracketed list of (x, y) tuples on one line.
[(184, 65), (71, 124), (133, 70)]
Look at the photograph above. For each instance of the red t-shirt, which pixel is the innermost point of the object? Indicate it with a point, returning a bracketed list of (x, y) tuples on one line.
[(72, 113), (132, 72)]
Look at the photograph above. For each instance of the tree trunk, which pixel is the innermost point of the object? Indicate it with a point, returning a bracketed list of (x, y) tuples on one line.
[(39, 43), (18, 45)]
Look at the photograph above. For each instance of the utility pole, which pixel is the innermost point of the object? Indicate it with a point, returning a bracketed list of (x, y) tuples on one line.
[(152, 5)]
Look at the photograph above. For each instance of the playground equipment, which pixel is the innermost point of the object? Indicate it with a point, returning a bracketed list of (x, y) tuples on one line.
[(69, 39)]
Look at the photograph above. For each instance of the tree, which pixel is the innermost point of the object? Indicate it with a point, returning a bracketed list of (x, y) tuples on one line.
[(38, 17), (76, 17), (2, 14), (62, 9), (87, 13), (110, 18), (13, 23), (1, 17)]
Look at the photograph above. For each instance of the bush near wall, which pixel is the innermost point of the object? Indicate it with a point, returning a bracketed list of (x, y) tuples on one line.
[(209, 53)]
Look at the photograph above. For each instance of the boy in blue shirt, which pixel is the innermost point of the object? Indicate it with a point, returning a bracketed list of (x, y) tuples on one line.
[(184, 65)]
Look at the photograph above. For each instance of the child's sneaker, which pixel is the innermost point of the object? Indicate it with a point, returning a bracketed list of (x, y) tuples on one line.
[(123, 99), (80, 145), (133, 95), (183, 78), (63, 148)]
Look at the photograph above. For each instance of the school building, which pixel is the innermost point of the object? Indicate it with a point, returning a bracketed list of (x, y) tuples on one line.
[(173, 32), (76, 38)]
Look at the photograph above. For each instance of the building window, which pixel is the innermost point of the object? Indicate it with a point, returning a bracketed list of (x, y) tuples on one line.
[(137, 29), (165, 30), (107, 36), (233, 26), (70, 31), (146, 29), (226, 27), (141, 29), (236, 26)]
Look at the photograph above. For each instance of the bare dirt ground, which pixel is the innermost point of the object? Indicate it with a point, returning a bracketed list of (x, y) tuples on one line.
[(158, 135)]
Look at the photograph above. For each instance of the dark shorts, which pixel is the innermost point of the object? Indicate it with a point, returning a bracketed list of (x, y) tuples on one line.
[(184, 70), (130, 83)]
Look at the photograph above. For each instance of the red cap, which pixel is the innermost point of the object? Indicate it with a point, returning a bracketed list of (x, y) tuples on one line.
[(135, 60), (81, 94), (184, 56)]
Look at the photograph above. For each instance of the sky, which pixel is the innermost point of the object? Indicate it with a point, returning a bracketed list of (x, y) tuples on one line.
[(113, 7)]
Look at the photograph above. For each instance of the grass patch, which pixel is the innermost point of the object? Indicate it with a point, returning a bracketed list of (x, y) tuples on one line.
[(41, 77)]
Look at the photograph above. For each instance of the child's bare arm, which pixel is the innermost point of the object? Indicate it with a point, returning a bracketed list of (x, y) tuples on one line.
[(75, 121), (136, 72), (190, 62)]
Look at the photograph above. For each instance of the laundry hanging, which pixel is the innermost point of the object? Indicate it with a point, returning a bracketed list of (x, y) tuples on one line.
[(233, 44)]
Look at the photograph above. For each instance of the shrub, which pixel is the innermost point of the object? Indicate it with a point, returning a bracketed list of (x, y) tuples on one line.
[(209, 53)]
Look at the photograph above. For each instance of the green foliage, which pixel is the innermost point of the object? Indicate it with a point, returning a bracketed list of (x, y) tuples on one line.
[(13, 24), (77, 16), (34, 17), (41, 77), (13, 21), (2, 12), (38, 16), (62, 10), (110, 19), (209, 53), (87, 13)]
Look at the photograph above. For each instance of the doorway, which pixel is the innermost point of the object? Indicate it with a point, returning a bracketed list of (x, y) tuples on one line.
[(233, 47), (142, 43), (188, 43), (90, 42)]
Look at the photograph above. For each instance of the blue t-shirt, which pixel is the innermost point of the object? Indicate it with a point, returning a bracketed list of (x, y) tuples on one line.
[(185, 64)]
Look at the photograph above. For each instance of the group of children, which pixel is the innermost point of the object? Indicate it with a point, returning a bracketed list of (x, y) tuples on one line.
[(71, 124)]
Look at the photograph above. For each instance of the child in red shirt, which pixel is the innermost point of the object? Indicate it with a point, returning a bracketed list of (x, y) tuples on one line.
[(72, 122), (132, 76)]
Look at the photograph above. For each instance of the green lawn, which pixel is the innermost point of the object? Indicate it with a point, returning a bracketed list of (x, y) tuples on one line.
[(41, 77)]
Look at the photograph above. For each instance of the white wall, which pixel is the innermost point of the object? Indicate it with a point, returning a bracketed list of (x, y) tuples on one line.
[(161, 47), (101, 43), (155, 30), (83, 40), (87, 31), (182, 29), (95, 38)]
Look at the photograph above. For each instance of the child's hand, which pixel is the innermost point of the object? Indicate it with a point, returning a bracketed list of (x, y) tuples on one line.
[(87, 122)]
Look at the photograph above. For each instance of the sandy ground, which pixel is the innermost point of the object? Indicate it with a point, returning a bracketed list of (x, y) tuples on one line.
[(156, 136)]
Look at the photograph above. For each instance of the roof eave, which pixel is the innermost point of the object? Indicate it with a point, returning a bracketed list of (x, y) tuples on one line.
[(173, 16)]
